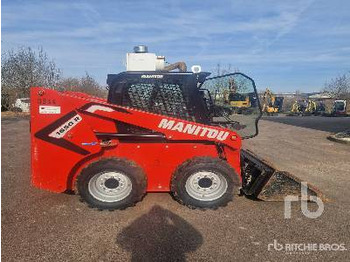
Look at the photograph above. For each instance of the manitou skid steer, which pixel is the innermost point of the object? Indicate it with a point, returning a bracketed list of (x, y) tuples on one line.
[(158, 131)]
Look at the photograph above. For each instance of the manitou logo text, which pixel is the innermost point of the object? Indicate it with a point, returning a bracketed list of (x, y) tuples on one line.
[(193, 129), (151, 76)]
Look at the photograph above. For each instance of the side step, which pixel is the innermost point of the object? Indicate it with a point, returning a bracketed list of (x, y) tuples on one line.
[(263, 181)]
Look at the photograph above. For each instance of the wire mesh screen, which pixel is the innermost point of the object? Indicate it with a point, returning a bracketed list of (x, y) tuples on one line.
[(160, 98), (139, 96)]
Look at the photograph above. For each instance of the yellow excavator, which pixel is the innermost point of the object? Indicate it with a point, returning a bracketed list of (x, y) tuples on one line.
[(296, 108), (271, 103), (239, 102), (306, 107), (311, 107)]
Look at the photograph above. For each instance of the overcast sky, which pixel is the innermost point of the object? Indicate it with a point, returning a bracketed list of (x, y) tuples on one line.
[(284, 45)]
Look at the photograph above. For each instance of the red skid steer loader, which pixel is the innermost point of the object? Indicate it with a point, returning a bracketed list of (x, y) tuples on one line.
[(158, 131)]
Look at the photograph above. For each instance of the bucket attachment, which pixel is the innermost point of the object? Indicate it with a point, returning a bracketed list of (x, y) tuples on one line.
[(262, 181)]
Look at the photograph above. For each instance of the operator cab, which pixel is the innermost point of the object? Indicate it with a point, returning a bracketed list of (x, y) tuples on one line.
[(190, 96)]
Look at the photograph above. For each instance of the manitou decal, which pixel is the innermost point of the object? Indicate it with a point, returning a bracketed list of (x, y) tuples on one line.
[(193, 129), (152, 76)]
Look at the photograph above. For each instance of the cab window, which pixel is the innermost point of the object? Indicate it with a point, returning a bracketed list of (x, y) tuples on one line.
[(235, 103)]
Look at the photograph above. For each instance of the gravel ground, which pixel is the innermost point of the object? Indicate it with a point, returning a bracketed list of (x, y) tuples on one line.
[(42, 226)]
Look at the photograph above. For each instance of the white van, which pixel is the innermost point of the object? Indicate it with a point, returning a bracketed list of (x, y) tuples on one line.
[(21, 105)]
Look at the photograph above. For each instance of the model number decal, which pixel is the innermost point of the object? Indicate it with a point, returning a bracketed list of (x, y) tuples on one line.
[(64, 128)]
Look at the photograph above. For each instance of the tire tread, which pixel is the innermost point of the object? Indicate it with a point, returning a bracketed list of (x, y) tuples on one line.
[(203, 161), (140, 179)]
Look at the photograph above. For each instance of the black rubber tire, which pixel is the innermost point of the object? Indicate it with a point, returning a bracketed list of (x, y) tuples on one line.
[(211, 164), (128, 168)]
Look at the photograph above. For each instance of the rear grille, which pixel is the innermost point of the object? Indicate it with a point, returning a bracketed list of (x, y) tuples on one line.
[(161, 98)]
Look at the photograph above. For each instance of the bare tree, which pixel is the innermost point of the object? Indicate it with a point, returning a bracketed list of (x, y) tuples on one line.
[(218, 87), (25, 68), (223, 70), (339, 87), (85, 84)]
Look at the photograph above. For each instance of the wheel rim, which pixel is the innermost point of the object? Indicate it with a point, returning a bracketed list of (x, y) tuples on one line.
[(110, 186), (206, 186)]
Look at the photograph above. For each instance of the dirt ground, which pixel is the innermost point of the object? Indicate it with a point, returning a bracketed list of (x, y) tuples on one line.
[(43, 226)]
